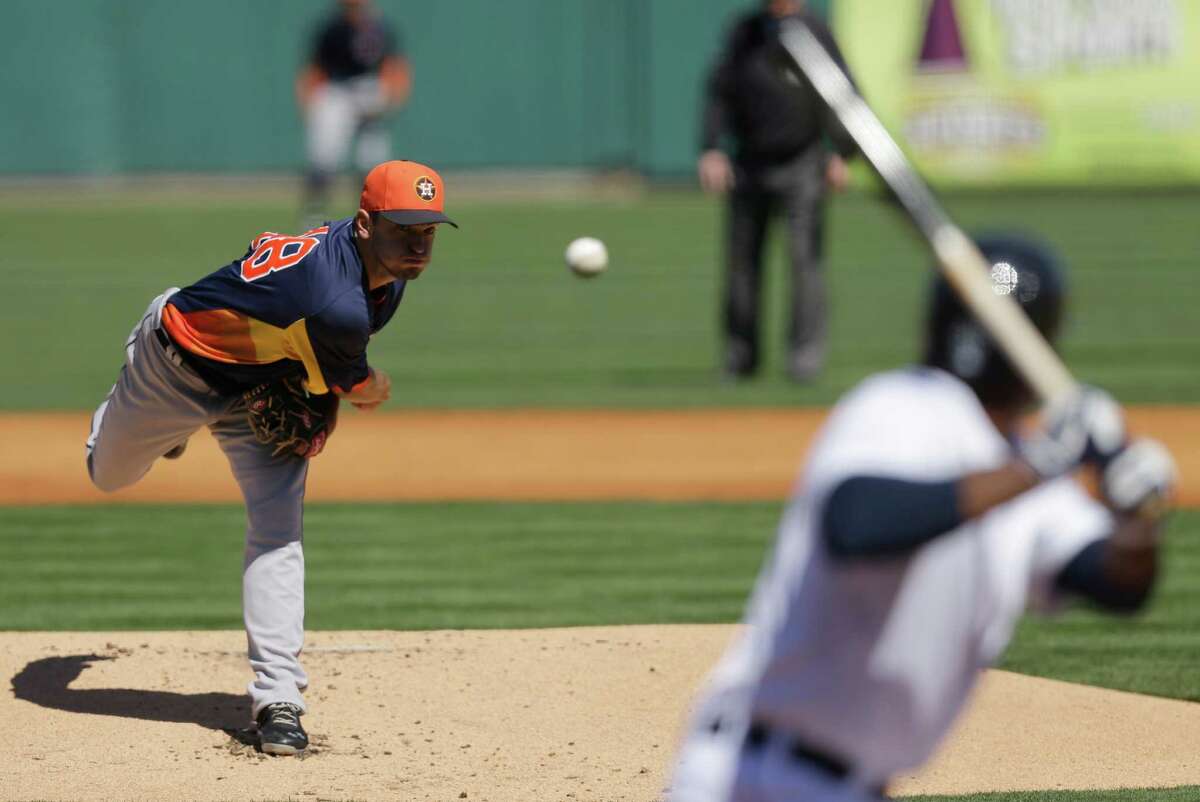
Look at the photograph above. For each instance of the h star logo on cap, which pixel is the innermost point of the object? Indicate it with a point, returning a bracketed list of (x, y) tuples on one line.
[(426, 189), (406, 193)]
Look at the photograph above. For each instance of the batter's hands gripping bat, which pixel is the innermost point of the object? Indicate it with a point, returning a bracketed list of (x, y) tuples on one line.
[(961, 262)]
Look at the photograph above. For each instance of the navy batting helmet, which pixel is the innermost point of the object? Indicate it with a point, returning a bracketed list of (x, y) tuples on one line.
[(1031, 274)]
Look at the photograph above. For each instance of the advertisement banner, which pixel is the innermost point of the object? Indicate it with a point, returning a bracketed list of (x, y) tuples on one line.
[(1056, 92)]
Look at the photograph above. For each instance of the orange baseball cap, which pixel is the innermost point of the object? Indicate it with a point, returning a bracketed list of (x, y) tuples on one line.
[(408, 193)]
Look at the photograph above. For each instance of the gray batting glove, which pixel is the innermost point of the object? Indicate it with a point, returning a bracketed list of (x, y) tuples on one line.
[(1139, 479), (1084, 427)]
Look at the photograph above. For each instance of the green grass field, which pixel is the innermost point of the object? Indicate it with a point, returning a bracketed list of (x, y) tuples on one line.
[(499, 322), (421, 566)]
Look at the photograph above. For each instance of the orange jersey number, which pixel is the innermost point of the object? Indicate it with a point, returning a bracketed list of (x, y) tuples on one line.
[(271, 252)]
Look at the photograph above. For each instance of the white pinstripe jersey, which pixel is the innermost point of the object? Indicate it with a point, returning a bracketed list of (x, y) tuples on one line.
[(872, 660)]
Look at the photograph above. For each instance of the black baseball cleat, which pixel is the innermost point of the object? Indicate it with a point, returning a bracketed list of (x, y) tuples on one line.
[(279, 730)]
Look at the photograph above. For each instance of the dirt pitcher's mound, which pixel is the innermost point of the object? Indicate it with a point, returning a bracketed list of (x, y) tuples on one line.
[(567, 714)]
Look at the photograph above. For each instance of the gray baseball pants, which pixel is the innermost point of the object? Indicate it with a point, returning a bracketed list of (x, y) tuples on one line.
[(340, 111), (157, 403)]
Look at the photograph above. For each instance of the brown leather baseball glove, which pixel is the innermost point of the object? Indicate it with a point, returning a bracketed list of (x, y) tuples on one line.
[(285, 415)]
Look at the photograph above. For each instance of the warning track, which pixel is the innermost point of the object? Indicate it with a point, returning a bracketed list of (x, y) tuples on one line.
[(519, 455)]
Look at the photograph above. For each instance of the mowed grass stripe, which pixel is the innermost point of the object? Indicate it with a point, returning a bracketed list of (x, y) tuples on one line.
[(386, 566), (498, 321), (495, 565)]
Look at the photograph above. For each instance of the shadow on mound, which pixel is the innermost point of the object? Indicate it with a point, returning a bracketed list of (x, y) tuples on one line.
[(44, 682)]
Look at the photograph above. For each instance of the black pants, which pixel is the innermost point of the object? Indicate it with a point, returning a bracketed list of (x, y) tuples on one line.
[(795, 191)]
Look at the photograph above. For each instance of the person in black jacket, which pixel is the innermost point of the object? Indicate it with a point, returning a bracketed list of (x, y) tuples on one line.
[(786, 149)]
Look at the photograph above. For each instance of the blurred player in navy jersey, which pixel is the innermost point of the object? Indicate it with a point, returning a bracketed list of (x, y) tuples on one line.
[(355, 76)]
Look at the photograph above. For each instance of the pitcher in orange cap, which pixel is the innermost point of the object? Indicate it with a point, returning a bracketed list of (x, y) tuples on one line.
[(296, 308)]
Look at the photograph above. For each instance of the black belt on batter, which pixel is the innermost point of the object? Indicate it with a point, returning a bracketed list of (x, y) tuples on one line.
[(759, 735)]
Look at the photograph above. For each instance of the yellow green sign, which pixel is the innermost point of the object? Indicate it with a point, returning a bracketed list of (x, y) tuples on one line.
[(1033, 91)]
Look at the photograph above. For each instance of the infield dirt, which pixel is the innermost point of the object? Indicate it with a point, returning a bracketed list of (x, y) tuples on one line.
[(530, 455), (580, 715)]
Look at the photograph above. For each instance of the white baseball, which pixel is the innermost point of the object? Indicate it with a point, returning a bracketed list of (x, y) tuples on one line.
[(587, 257)]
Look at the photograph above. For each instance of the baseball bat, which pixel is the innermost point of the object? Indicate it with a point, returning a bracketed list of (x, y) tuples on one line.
[(961, 262)]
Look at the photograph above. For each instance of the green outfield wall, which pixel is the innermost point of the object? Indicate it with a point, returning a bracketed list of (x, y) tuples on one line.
[(979, 91), (117, 86)]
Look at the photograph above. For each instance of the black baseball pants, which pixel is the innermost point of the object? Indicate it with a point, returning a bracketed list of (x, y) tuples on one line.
[(795, 191)]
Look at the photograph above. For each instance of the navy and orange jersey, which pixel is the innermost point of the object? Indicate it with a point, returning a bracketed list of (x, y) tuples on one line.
[(343, 50), (289, 306)]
